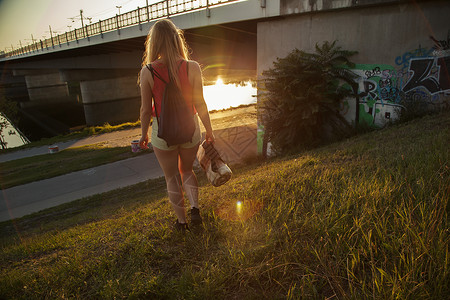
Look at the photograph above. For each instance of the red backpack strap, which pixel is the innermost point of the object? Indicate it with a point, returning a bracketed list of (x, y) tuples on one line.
[(155, 73)]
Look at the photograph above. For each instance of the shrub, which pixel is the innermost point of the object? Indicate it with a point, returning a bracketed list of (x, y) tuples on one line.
[(299, 105)]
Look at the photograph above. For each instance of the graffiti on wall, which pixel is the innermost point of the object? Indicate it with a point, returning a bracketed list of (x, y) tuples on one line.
[(419, 79), (430, 73), (403, 60), (379, 92)]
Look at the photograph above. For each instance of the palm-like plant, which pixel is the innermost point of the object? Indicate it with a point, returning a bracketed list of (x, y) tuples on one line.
[(299, 104)]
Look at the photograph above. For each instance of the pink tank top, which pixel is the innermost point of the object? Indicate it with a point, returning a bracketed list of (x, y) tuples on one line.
[(159, 85)]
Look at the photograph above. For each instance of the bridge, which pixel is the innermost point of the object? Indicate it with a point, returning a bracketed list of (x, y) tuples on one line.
[(97, 65), (93, 69), (140, 16)]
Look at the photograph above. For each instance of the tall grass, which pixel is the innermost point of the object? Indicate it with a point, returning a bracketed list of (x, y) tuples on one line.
[(366, 218)]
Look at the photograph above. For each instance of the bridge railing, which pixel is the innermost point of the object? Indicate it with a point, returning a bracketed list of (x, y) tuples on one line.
[(162, 9)]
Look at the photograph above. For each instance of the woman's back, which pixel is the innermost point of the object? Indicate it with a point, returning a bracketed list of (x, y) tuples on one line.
[(186, 81)]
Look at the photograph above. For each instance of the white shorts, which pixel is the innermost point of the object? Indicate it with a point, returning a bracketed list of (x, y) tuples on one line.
[(162, 145)]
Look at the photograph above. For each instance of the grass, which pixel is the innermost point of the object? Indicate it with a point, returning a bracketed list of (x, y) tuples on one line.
[(30, 169), (364, 218)]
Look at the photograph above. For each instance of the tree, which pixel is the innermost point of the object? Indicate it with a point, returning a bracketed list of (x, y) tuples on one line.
[(299, 106)]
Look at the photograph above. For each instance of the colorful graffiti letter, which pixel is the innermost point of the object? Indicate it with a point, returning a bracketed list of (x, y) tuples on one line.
[(424, 77)]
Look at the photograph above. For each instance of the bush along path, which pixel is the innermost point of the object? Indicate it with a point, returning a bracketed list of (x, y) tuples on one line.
[(363, 218), (301, 95)]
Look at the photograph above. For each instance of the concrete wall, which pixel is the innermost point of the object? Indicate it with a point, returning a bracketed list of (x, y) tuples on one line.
[(46, 88), (13, 87), (396, 54), (112, 100), (236, 144)]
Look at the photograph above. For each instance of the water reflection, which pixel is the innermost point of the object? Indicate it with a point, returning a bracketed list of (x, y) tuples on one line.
[(11, 137), (222, 96)]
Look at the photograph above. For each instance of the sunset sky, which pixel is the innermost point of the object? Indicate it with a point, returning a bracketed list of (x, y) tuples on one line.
[(19, 19)]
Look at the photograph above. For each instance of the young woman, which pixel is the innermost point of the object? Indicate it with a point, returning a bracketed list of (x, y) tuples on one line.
[(166, 51)]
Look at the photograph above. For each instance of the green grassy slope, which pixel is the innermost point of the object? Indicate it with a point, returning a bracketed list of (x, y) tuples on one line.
[(364, 218)]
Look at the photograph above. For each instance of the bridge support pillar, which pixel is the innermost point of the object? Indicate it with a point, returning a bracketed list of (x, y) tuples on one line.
[(113, 100), (14, 87), (45, 88)]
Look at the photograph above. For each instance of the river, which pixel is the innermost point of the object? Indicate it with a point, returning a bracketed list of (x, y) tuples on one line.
[(222, 96)]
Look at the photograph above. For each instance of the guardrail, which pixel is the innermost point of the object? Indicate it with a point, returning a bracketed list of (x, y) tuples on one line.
[(163, 9)]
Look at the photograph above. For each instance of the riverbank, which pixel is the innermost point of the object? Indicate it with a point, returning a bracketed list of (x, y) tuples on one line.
[(122, 135), (20, 167)]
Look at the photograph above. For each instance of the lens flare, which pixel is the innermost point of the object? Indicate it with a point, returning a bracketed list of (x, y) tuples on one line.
[(239, 206), (238, 210)]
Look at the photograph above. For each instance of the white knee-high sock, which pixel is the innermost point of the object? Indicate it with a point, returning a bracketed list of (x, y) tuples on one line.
[(176, 197), (190, 185)]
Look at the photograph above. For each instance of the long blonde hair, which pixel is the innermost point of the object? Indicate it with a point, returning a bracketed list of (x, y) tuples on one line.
[(165, 41)]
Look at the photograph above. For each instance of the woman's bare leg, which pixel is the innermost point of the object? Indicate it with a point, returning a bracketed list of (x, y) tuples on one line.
[(168, 160), (190, 183)]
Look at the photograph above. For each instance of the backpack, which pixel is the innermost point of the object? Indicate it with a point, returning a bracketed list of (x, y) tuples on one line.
[(175, 121)]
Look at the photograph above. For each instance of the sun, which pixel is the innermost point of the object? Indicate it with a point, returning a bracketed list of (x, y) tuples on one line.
[(219, 82)]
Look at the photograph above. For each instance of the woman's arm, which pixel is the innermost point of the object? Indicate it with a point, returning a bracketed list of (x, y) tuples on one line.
[(146, 82), (195, 76)]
